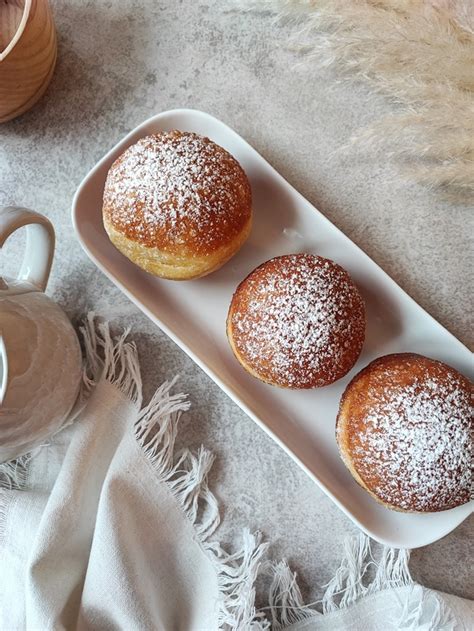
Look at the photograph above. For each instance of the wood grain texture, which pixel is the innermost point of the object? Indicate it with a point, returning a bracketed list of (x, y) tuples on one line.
[(28, 54)]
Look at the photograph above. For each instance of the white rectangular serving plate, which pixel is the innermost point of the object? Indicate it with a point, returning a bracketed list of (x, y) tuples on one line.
[(193, 314)]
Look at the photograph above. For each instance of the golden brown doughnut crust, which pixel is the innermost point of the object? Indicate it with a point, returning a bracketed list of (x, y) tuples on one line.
[(297, 321), (404, 431), (178, 194)]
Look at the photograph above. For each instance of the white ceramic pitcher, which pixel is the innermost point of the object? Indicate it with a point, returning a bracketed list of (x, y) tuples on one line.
[(40, 357)]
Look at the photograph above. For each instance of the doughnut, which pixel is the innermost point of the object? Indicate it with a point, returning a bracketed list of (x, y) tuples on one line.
[(297, 321), (177, 205), (404, 432)]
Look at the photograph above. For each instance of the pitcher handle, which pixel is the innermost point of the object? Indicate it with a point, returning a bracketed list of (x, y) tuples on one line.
[(39, 250)]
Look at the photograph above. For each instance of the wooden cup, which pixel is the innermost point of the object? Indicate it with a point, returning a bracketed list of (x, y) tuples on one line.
[(28, 51)]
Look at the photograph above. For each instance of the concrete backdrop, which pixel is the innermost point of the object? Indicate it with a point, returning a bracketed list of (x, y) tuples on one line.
[(121, 62)]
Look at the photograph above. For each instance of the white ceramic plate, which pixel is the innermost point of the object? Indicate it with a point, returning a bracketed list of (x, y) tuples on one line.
[(193, 314)]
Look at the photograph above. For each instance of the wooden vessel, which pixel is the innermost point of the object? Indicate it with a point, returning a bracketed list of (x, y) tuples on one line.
[(28, 50)]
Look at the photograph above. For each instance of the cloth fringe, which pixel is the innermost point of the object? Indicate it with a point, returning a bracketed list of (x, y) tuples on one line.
[(13, 474), (285, 600), (236, 575), (347, 580), (287, 607), (13, 477), (186, 475), (114, 360)]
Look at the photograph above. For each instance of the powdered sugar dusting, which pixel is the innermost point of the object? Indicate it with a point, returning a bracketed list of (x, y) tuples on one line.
[(413, 446), (177, 189), (299, 321)]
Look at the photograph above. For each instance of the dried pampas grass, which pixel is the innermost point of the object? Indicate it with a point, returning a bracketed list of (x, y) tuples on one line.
[(420, 53)]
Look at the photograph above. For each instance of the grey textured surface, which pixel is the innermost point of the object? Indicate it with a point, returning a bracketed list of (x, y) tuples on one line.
[(121, 62)]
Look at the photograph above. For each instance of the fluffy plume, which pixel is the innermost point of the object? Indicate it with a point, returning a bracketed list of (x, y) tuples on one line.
[(418, 52)]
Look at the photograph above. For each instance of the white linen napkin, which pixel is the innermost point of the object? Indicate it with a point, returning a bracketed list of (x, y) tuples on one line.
[(107, 527)]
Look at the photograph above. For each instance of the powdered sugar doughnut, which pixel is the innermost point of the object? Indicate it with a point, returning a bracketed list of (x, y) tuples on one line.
[(297, 321), (177, 204), (404, 431)]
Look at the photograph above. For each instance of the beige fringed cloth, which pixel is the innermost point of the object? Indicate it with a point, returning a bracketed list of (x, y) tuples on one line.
[(109, 527)]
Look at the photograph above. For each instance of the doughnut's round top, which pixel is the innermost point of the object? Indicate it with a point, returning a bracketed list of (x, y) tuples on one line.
[(297, 321), (404, 431), (178, 192)]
